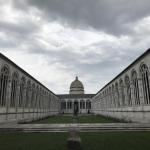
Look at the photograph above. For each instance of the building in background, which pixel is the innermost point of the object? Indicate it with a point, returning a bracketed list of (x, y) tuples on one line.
[(126, 97), (76, 99)]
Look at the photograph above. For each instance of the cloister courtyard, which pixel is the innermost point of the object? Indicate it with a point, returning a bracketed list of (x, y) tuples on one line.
[(117, 117), (61, 119), (74, 75), (106, 140)]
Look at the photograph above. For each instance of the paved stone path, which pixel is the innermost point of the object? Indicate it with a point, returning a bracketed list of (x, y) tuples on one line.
[(96, 127)]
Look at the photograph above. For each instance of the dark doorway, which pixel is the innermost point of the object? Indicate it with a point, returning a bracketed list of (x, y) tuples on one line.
[(76, 107)]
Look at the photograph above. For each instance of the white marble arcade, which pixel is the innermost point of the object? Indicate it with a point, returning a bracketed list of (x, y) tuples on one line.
[(22, 96), (127, 96)]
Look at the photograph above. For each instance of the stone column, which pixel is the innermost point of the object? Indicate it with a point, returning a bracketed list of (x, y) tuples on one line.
[(105, 98), (37, 110), (114, 100), (132, 94), (40, 105), (51, 104), (8, 96), (110, 99), (120, 97), (29, 104), (34, 100), (126, 97), (45, 103), (17, 99), (44, 106), (141, 95), (23, 99), (48, 109)]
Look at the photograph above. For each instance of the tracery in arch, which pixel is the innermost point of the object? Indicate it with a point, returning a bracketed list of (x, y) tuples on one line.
[(145, 82), (113, 95), (135, 87), (22, 91), (117, 94), (37, 96), (122, 95), (14, 85), (28, 91), (33, 96), (128, 90), (4, 76)]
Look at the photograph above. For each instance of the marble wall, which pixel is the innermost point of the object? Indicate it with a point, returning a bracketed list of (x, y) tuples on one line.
[(127, 96), (22, 96)]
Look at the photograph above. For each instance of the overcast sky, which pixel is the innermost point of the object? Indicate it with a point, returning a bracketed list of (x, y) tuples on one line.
[(56, 40)]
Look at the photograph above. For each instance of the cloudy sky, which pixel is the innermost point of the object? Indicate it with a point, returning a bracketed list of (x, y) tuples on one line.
[(55, 40)]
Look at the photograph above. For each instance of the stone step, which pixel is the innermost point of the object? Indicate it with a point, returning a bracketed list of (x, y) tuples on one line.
[(80, 127), (62, 130)]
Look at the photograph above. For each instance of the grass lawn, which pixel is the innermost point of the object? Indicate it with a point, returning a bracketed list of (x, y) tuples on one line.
[(90, 141), (82, 119), (33, 141), (116, 141)]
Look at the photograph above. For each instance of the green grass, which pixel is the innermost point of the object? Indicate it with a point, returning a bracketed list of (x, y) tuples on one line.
[(96, 119), (82, 119), (116, 141), (33, 141), (90, 141)]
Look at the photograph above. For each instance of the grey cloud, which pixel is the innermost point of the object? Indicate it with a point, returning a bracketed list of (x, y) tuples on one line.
[(23, 28), (17, 34), (105, 64), (5, 43), (108, 15)]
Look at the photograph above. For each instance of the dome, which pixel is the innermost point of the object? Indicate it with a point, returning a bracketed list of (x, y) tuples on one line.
[(76, 87)]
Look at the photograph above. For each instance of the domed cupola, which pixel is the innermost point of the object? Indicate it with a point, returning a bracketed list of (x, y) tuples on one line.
[(76, 87)]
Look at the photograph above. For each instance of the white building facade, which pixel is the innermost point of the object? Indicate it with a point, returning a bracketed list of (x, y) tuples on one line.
[(76, 99), (127, 96), (69, 102), (23, 97)]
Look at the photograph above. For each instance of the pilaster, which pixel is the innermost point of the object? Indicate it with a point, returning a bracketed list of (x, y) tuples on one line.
[(141, 95), (132, 94), (8, 96), (17, 98), (23, 100)]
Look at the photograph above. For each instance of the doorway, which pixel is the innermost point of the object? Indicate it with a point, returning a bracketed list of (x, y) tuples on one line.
[(76, 107)]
